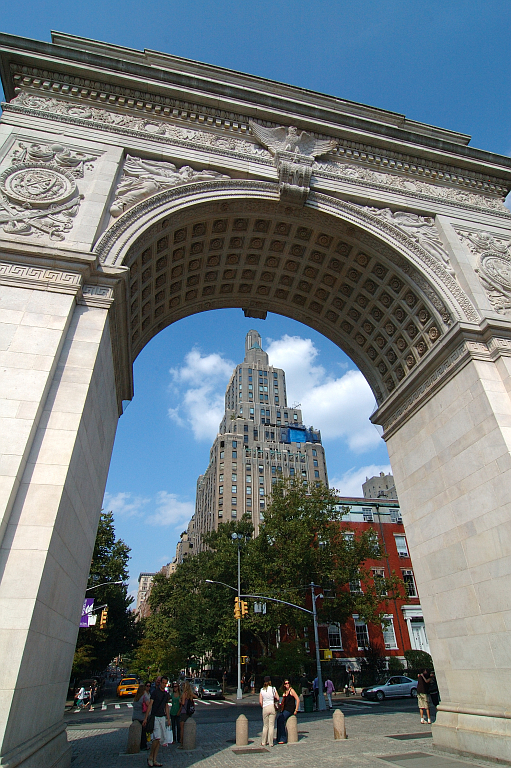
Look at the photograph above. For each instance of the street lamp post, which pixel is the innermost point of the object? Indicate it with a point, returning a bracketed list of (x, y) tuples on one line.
[(237, 537), (321, 695), (103, 585)]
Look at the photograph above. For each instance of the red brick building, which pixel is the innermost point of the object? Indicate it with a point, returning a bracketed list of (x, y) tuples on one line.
[(405, 628)]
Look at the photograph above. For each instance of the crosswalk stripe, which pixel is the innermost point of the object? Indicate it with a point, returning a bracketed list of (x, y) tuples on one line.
[(117, 706), (103, 706), (206, 703), (130, 706)]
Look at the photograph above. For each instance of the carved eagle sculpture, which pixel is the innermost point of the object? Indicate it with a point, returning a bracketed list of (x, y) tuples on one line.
[(289, 140)]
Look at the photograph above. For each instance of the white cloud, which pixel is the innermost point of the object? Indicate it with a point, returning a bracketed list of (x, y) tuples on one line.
[(167, 509), (199, 387), (124, 504), (350, 483), (170, 511), (339, 407)]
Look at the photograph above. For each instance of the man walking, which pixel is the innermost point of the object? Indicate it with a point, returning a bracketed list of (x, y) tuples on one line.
[(315, 691), (158, 711), (329, 689)]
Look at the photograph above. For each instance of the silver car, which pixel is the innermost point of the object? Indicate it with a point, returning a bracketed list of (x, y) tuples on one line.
[(394, 687)]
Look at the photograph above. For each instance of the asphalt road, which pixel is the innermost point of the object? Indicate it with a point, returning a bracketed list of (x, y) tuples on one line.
[(109, 711)]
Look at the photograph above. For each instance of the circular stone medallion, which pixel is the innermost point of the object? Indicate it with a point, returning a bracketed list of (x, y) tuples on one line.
[(497, 269), (37, 184)]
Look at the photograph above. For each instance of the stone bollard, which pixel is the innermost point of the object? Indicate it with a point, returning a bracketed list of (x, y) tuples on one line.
[(241, 731), (292, 729), (339, 725), (189, 734), (134, 736)]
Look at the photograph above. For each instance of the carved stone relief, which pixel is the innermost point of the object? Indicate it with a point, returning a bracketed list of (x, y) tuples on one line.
[(421, 229), (410, 186), (294, 154), (143, 178), (406, 175), (494, 266), (38, 192)]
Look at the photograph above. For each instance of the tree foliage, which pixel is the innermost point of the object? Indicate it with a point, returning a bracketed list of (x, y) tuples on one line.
[(302, 540), (109, 564)]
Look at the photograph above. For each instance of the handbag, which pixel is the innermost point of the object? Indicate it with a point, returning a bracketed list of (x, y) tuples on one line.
[(169, 735), (276, 703), (145, 706)]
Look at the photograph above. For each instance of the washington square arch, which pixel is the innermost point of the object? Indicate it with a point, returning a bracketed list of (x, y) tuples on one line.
[(136, 189)]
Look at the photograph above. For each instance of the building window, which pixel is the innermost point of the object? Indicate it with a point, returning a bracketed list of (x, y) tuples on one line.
[(362, 634), (355, 585), (261, 469), (249, 502), (274, 470), (304, 473), (389, 635), (401, 545), (222, 454), (295, 417), (233, 489), (245, 428), (234, 477), (233, 513), (248, 491), (316, 473), (291, 471), (314, 453), (379, 581), (221, 489), (234, 455), (221, 477), (395, 516), (334, 636), (261, 491), (234, 443), (315, 462), (249, 478), (368, 514), (411, 589), (234, 501), (275, 375)]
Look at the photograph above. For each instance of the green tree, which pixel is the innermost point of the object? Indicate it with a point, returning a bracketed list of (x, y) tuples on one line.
[(109, 564), (301, 540)]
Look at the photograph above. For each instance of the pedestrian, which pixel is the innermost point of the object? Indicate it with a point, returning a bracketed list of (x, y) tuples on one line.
[(140, 699), (156, 717), (187, 710), (288, 706), (305, 684), (91, 697), (315, 691), (252, 684), (351, 681), (434, 693), (423, 699), (80, 698), (329, 689), (175, 706), (269, 702)]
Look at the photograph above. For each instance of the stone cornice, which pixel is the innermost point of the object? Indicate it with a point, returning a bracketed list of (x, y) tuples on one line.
[(366, 167), (212, 91), (35, 276), (459, 346)]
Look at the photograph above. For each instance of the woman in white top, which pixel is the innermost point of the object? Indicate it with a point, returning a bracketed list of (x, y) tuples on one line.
[(268, 699)]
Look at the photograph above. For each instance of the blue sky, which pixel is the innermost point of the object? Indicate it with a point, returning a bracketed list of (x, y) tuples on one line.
[(442, 62)]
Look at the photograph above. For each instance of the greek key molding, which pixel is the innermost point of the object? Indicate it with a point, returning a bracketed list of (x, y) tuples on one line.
[(97, 295), (41, 278)]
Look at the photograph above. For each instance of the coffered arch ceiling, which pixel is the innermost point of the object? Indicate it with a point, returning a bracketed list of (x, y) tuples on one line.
[(331, 265)]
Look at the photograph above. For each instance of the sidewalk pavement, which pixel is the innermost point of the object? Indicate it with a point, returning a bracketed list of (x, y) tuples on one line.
[(369, 745)]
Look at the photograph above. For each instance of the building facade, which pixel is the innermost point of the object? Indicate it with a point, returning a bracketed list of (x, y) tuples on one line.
[(379, 486), (145, 581), (404, 627), (260, 440)]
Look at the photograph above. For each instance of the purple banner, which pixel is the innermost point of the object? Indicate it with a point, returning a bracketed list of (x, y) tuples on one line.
[(88, 605)]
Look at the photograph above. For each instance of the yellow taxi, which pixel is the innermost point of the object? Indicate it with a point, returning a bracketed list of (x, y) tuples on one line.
[(128, 686)]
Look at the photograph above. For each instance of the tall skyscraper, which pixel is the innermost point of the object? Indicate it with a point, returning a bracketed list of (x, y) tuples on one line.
[(260, 439)]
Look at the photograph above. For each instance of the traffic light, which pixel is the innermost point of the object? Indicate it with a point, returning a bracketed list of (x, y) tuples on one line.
[(237, 609), (244, 607), (102, 620)]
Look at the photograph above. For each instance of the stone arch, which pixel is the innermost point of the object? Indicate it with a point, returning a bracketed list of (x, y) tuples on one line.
[(335, 266)]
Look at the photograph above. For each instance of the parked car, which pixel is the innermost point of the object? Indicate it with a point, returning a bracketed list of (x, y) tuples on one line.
[(196, 685), (210, 689), (128, 686), (394, 687)]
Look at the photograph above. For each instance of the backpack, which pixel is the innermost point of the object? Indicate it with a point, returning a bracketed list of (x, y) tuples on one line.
[(190, 707)]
